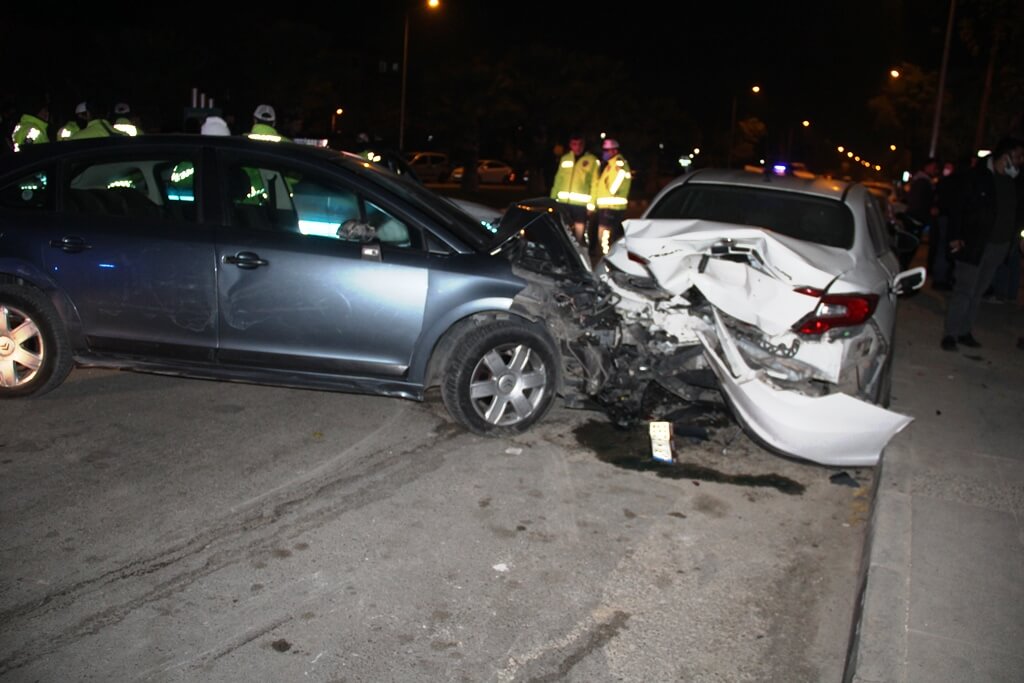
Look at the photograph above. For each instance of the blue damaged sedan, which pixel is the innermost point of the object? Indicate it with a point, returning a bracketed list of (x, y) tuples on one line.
[(227, 258)]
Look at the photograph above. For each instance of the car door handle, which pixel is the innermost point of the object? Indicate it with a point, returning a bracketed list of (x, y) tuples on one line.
[(70, 245), (246, 260)]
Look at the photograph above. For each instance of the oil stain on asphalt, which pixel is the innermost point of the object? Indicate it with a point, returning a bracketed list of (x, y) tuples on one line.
[(630, 449)]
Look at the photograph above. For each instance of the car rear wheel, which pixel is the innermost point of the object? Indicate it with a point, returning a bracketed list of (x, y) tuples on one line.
[(501, 379), (35, 354)]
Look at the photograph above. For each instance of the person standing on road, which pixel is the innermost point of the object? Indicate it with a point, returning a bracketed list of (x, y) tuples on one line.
[(32, 128), (97, 125), (611, 198), (983, 228), (124, 122), (921, 208), (76, 124), (574, 184), (940, 261), (264, 118)]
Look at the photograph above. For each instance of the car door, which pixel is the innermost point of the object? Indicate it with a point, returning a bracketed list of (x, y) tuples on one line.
[(314, 275), (885, 265), (133, 257)]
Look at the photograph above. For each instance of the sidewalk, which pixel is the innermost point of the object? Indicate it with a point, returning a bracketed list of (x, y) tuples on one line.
[(943, 569)]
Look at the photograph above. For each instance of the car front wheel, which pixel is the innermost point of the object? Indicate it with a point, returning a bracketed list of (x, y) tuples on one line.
[(501, 379), (35, 355)]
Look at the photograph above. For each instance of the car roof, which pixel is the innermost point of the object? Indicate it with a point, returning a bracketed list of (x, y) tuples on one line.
[(829, 188), (44, 152)]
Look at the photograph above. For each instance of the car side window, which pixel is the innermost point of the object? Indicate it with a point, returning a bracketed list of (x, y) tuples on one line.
[(30, 192), (129, 188), (261, 198), (880, 240), (327, 210)]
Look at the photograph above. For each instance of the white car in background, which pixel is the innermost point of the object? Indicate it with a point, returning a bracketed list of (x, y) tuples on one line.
[(489, 171), (787, 287)]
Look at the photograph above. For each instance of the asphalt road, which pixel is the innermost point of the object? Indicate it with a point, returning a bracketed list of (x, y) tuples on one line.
[(161, 529)]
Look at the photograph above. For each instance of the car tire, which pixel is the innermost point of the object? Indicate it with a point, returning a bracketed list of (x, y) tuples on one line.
[(35, 354), (501, 378)]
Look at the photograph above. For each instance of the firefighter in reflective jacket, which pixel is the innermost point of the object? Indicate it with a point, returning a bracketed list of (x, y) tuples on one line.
[(31, 129), (574, 184), (611, 198)]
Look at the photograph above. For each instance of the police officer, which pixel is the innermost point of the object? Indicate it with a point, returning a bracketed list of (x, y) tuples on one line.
[(96, 125), (611, 198), (574, 182), (123, 122), (76, 124), (31, 128), (263, 120)]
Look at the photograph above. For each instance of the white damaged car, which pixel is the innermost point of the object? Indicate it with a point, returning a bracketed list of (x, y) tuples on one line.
[(786, 289)]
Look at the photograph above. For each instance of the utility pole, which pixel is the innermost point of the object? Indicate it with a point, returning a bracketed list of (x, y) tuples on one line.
[(942, 81)]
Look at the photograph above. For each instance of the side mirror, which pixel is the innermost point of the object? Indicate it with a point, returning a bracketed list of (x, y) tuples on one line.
[(909, 281)]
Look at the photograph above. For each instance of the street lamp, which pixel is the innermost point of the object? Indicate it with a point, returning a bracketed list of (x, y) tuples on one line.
[(732, 126), (431, 4), (334, 119)]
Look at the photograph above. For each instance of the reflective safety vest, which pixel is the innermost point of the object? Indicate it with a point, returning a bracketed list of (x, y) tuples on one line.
[(266, 132), (96, 128), (67, 130), (31, 130), (124, 125), (611, 191), (574, 180)]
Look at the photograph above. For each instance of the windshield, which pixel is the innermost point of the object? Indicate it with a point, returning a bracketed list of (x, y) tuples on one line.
[(476, 232), (813, 219)]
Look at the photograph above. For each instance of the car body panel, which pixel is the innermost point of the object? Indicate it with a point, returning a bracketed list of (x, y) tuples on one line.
[(836, 429)]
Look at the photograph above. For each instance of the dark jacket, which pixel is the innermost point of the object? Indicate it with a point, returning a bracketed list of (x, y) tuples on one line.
[(974, 213)]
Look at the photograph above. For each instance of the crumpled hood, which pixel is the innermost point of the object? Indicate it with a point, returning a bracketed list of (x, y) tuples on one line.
[(760, 292)]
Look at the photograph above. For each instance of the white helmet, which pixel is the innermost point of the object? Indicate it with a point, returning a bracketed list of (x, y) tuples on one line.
[(81, 108), (265, 113), (122, 108)]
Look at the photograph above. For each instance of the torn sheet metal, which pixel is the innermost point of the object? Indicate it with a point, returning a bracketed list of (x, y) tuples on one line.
[(836, 429)]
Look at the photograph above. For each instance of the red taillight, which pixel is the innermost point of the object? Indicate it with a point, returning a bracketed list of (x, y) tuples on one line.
[(835, 310)]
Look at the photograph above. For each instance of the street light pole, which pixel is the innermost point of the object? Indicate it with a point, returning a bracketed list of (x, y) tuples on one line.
[(405, 67), (431, 4), (942, 82), (732, 133), (732, 126)]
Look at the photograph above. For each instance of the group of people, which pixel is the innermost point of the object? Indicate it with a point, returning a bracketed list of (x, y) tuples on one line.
[(90, 121), (595, 193), (985, 217), (973, 216)]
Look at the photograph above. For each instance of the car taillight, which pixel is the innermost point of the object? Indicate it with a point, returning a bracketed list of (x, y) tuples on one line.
[(835, 310)]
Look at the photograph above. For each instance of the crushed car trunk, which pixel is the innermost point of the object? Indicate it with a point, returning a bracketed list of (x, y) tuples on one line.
[(709, 315)]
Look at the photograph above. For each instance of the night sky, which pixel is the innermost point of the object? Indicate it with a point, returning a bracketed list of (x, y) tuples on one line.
[(815, 60)]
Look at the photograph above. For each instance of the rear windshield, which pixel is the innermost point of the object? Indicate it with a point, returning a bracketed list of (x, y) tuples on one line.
[(813, 219)]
